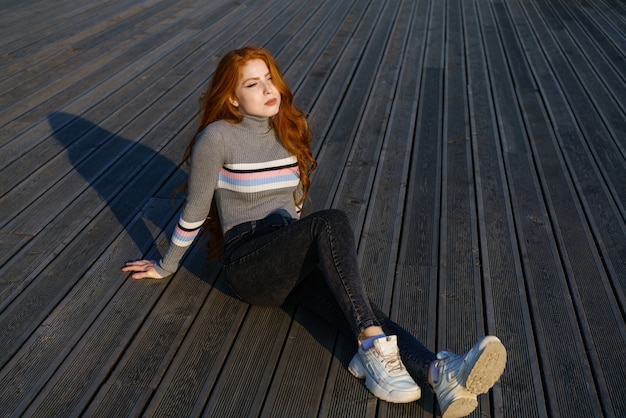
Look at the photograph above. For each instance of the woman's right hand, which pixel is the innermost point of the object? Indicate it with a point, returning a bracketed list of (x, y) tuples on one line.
[(142, 269)]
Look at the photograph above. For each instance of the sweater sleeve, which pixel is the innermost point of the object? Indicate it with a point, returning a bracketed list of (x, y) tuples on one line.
[(207, 159)]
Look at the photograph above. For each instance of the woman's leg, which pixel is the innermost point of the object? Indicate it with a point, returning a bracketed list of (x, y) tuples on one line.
[(265, 268), (313, 294)]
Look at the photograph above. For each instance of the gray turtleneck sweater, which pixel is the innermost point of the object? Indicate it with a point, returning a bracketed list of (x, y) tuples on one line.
[(247, 169)]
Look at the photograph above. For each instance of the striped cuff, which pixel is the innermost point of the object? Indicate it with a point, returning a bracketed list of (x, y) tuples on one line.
[(185, 233)]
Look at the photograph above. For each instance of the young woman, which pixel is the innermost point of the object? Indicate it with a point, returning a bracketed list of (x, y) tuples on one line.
[(250, 162)]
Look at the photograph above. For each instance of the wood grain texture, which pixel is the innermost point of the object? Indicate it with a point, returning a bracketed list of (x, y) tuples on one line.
[(477, 147)]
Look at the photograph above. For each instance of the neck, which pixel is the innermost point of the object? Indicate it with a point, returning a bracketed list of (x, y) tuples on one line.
[(256, 124)]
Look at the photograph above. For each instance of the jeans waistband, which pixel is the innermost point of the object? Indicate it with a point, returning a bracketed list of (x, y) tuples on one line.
[(272, 221)]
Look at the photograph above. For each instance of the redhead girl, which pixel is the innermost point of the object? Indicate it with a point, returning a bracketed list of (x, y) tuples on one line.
[(250, 162)]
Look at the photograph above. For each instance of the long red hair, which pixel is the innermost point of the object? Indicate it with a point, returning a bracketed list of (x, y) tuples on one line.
[(290, 124)]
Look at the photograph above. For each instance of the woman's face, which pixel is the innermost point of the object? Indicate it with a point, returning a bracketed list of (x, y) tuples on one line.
[(255, 94)]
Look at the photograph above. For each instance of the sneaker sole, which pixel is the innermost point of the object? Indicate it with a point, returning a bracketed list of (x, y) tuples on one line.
[(461, 407), (488, 366), (358, 370)]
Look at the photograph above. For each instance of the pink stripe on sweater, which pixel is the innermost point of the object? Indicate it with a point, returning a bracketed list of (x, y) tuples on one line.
[(259, 175)]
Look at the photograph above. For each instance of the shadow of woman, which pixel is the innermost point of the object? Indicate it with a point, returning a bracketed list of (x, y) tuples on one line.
[(126, 175)]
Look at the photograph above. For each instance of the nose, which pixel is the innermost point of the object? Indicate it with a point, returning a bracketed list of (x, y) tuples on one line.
[(268, 88)]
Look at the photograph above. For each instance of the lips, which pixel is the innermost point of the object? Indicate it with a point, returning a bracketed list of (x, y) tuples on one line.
[(271, 102)]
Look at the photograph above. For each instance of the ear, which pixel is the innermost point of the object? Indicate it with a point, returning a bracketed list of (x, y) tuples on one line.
[(233, 102)]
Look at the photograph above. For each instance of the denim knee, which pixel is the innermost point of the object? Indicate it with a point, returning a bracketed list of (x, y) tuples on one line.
[(334, 216), (336, 220)]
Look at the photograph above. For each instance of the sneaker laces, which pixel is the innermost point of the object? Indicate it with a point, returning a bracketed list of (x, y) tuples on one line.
[(390, 358)]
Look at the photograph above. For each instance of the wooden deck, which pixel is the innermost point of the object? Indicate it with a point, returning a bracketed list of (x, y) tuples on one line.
[(478, 146)]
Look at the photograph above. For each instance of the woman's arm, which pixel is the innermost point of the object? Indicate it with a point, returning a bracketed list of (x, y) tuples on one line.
[(207, 159)]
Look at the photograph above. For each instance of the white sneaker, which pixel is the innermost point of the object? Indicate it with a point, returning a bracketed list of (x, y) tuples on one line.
[(385, 375), (463, 377)]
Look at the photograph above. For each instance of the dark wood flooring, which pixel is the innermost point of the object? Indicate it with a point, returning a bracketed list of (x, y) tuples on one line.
[(479, 148)]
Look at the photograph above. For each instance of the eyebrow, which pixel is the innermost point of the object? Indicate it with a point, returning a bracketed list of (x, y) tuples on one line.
[(254, 78)]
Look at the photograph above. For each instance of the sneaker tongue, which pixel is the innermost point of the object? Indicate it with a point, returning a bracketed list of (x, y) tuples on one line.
[(385, 346)]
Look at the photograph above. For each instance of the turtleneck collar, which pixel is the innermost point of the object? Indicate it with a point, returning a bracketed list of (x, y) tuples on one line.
[(258, 125)]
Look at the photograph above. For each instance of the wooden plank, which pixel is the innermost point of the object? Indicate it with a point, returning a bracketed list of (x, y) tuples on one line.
[(590, 144), (607, 33), (15, 103), (317, 63), (91, 73), (126, 104), (461, 294), (8, 241), (419, 240), (316, 38), (132, 161), (170, 108), (506, 304), (600, 114), (616, 7), (132, 378), (60, 16), (11, 10), (241, 387), (554, 316), (118, 115), (28, 370), (356, 181), (299, 378), (31, 72), (192, 374), (460, 309), (345, 109), (579, 251), (615, 11), (278, 38)]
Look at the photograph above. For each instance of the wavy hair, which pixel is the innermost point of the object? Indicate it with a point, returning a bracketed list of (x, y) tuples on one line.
[(290, 125)]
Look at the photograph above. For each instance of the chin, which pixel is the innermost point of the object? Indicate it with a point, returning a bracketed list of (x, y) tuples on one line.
[(273, 112)]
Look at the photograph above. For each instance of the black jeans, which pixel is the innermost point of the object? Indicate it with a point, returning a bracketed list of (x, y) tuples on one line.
[(313, 263)]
